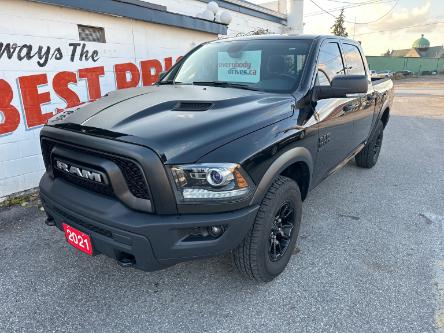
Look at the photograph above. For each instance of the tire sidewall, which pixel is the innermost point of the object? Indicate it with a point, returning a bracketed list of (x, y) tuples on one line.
[(367, 157), (379, 133), (288, 192)]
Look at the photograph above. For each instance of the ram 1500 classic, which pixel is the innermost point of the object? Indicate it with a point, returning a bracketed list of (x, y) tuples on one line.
[(216, 157)]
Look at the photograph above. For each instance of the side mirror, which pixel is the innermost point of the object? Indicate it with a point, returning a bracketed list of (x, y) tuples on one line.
[(341, 86)]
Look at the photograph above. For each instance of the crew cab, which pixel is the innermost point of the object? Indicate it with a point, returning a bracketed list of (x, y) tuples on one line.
[(216, 157)]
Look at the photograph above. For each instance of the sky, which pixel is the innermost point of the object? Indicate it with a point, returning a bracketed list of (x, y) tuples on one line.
[(380, 24)]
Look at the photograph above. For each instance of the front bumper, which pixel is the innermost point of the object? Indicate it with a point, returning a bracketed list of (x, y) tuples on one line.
[(153, 241)]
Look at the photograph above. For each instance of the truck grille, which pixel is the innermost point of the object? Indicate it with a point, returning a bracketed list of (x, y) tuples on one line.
[(133, 176), (99, 188), (131, 171)]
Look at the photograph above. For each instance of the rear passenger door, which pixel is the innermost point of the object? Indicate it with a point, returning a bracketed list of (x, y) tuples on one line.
[(363, 106), (334, 120)]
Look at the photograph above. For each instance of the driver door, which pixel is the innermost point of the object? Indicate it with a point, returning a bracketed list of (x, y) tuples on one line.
[(335, 120)]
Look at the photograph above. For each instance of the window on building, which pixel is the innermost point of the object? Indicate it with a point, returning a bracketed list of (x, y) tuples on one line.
[(330, 63), (91, 34), (353, 58)]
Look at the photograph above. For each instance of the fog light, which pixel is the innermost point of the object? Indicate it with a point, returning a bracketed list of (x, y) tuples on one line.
[(215, 231)]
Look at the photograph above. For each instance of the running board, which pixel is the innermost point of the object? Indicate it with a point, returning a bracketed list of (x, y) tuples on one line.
[(347, 159)]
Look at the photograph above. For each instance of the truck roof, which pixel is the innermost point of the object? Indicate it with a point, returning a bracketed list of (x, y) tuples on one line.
[(284, 36)]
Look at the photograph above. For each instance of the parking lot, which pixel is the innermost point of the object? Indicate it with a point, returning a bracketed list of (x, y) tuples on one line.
[(370, 259)]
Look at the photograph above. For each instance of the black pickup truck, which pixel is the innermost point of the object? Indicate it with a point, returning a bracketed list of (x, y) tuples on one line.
[(218, 156)]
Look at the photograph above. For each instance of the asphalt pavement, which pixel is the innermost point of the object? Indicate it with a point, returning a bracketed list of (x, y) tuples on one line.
[(371, 259)]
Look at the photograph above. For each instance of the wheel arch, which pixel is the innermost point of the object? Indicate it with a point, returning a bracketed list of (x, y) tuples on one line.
[(296, 164), (385, 115)]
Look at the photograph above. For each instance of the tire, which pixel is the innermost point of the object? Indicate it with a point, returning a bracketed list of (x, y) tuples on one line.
[(255, 257), (368, 156)]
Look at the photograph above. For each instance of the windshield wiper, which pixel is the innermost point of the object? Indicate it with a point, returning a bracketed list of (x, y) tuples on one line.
[(224, 84), (168, 82)]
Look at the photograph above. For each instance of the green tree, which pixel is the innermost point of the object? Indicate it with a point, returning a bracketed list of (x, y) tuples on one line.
[(338, 28), (258, 31)]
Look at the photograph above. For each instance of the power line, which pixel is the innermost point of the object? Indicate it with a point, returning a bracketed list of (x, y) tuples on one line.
[(350, 5), (360, 4), (335, 9), (327, 12), (408, 27), (353, 3), (381, 17)]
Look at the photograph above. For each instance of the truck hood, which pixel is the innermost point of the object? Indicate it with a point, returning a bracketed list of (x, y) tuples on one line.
[(182, 122)]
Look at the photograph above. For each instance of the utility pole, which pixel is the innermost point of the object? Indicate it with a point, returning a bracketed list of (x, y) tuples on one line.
[(295, 16)]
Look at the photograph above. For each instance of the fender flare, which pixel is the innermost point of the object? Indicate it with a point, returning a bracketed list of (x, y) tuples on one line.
[(385, 106), (298, 154)]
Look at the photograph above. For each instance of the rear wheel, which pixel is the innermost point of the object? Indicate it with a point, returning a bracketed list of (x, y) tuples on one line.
[(368, 156), (266, 250)]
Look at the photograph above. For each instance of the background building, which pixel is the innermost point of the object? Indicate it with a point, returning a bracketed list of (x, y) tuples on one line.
[(56, 54), (420, 49), (420, 59)]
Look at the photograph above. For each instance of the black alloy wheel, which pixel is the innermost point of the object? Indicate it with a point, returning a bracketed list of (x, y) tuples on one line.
[(281, 230)]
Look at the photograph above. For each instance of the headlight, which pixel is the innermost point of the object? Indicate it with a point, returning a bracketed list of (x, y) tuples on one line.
[(211, 181)]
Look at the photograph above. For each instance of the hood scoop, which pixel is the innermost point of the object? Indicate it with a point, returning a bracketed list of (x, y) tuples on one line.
[(192, 106)]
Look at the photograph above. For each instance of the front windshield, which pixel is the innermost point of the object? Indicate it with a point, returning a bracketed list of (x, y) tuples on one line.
[(262, 64)]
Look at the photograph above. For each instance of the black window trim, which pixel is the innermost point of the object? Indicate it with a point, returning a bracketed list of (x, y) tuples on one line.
[(339, 44), (360, 54)]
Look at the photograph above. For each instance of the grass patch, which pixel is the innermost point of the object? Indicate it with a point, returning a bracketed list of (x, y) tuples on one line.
[(25, 199)]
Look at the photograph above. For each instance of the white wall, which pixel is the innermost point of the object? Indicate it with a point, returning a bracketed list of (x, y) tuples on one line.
[(276, 5), (241, 23), (35, 24)]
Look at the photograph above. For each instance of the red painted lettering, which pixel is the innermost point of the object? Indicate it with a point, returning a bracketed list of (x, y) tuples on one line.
[(168, 63), (32, 99), (92, 76), (61, 82), (150, 71), (121, 71), (11, 116)]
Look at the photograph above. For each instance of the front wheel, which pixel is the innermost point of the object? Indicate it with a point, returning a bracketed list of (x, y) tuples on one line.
[(368, 156), (267, 248)]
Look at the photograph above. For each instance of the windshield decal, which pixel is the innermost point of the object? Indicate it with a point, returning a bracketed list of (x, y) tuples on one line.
[(244, 68)]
